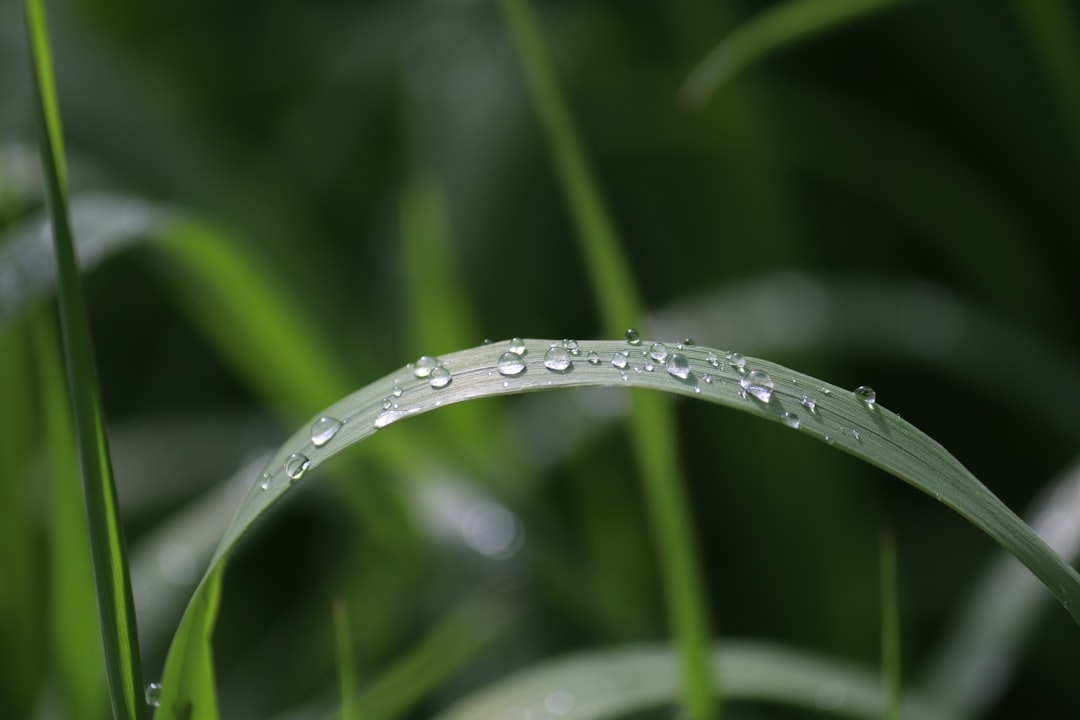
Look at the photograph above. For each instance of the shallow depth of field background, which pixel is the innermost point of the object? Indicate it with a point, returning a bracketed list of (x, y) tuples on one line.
[(854, 207)]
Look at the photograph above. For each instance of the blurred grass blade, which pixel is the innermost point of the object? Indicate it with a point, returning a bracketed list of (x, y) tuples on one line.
[(115, 606), (187, 686), (346, 661), (890, 627), (817, 409), (972, 667), (75, 639), (775, 28), (609, 684), (652, 423)]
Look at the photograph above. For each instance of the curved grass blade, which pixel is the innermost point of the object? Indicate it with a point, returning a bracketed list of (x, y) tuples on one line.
[(614, 683), (776, 28), (760, 388), (115, 606), (346, 660), (652, 419), (890, 627)]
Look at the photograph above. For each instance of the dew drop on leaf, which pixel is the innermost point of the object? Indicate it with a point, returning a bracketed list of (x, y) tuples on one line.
[(738, 361), (557, 359), (618, 361), (633, 337), (517, 346), (571, 346), (866, 394), (264, 481), (323, 430), (510, 363), (153, 695), (295, 465), (658, 352), (440, 377), (678, 365), (809, 404), (593, 357), (759, 384), (712, 359), (424, 366), (791, 420)]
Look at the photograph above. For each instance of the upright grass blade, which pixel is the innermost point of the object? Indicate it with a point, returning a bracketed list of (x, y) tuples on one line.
[(75, 641), (652, 420), (775, 28), (115, 607), (890, 626), (346, 661), (819, 410)]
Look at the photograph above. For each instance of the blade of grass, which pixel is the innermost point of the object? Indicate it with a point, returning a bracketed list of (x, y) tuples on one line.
[(890, 627), (346, 661), (817, 409), (115, 606), (76, 643), (775, 28), (653, 422), (617, 683)]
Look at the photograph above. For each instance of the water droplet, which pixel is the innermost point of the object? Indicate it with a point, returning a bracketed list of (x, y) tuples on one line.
[(295, 465), (791, 420), (829, 440), (826, 390), (153, 695), (689, 342), (557, 359), (624, 376), (323, 430), (572, 347), (517, 346), (593, 357), (866, 394), (809, 404), (397, 391), (649, 367), (855, 434), (707, 378), (487, 341), (510, 363), (618, 360), (678, 365), (633, 337), (759, 384), (265, 480), (712, 359), (738, 361), (440, 377), (424, 366), (658, 352)]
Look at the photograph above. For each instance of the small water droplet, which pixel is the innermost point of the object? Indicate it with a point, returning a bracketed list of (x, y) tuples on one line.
[(791, 420), (387, 403), (742, 393), (487, 341), (593, 357), (440, 377), (759, 384), (633, 337), (618, 360), (424, 366), (829, 440), (866, 394), (323, 430), (658, 352), (153, 695), (678, 365), (649, 367), (855, 434), (826, 390), (295, 465), (506, 383), (265, 480), (809, 404), (624, 376), (689, 342), (707, 378), (557, 359), (510, 363), (572, 347), (397, 391), (517, 346), (712, 359), (738, 361)]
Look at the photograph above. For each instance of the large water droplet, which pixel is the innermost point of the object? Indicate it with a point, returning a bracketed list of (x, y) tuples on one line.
[(424, 366), (738, 361), (678, 365), (618, 361), (153, 695), (759, 384), (712, 359), (593, 357), (809, 404), (571, 346), (866, 394), (791, 420), (510, 363), (295, 465), (557, 359), (517, 346), (323, 430), (633, 337), (658, 352), (440, 377)]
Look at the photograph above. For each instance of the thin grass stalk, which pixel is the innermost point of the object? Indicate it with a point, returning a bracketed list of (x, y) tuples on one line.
[(346, 660), (116, 608), (890, 626), (652, 420)]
